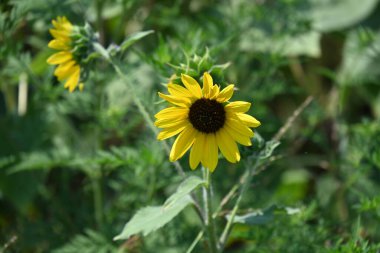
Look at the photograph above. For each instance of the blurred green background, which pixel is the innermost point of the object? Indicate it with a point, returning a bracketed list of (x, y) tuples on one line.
[(75, 167)]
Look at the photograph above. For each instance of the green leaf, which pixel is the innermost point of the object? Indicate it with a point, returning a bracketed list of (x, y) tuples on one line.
[(6, 161), (184, 189), (152, 218), (133, 39), (332, 15), (260, 217), (257, 40), (361, 58), (91, 242)]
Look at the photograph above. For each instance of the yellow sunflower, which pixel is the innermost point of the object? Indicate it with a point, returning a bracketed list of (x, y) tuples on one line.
[(68, 69), (205, 121)]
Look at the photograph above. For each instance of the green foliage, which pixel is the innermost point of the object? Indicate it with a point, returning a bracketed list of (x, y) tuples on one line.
[(260, 217), (90, 242), (75, 167), (133, 39), (332, 15), (151, 218)]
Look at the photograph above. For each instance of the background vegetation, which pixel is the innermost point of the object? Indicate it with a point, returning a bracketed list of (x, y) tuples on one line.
[(75, 167)]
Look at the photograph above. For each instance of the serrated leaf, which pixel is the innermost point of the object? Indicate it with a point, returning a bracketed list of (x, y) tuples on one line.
[(260, 217), (152, 218), (133, 39)]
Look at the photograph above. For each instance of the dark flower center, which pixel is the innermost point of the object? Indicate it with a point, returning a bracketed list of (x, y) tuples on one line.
[(207, 116)]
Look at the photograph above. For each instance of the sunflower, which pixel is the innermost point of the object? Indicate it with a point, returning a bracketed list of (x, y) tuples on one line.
[(205, 121), (68, 68)]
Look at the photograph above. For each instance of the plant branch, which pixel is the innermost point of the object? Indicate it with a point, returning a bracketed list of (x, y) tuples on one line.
[(209, 220), (195, 242), (254, 169)]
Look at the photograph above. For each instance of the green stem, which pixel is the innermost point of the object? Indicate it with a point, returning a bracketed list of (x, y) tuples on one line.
[(195, 242), (247, 179), (99, 20), (98, 200), (251, 170), (136, 99), (209, 220)]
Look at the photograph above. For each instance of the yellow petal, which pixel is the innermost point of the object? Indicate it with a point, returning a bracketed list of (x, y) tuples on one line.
[(60, 57), (238, 106), (178, 90), (210, 153), (240, 138), (239, 126), (172, 112), (73, 80), (60, 34), (214, 92), (59, 45), (62, 23), (165, 123), (248, 120), (192, 85), (225, 94), (64, 70), (227, 146), (207, 84), (179, 101), (182, 143), (197, 150), (171, 131), (172, 118), (55, 23)]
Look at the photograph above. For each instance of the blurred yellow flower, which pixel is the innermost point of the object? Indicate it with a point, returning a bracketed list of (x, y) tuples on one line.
[(205, 120), (68, 68)]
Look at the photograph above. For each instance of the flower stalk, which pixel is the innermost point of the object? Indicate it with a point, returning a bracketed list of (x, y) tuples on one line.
[(247, 179), (209, 220)]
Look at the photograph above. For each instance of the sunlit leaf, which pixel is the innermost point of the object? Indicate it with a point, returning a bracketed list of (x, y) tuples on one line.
[(331, 15), (152, 218), (184, 189)]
